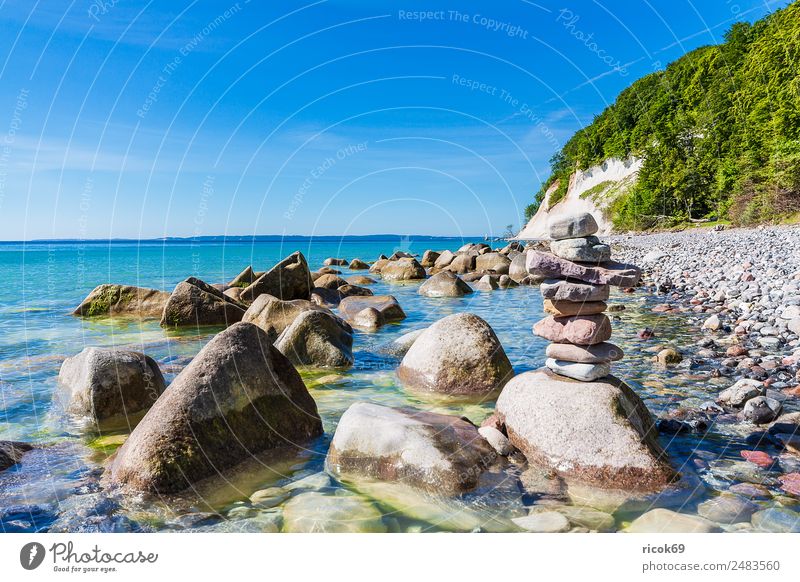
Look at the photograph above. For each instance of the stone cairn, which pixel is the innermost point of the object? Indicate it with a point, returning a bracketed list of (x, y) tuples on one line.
[(578, 274), (573, 416)]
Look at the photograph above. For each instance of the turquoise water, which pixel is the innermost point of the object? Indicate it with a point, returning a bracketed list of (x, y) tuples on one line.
[(43, 282)]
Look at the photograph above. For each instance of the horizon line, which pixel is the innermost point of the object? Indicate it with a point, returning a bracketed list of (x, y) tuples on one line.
[(253, 237)]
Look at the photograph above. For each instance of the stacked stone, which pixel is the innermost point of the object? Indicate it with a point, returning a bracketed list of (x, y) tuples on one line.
[(578, 273)]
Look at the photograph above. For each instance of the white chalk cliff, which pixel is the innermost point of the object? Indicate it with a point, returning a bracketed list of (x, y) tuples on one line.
[(590, 190)]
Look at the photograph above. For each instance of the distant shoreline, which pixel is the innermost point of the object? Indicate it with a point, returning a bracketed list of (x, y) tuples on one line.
[(249, 239)]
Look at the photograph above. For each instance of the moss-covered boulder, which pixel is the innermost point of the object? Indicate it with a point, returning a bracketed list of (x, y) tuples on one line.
[(238, 397), (110, 300)]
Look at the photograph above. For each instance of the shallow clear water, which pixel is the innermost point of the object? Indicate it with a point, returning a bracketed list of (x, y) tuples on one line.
[(43, 282)]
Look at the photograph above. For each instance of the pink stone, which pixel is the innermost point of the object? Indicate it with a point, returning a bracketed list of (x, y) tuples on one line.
[(790, 483), (583, 330), (759, 458)]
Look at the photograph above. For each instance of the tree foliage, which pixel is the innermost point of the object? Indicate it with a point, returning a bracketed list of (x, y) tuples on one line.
[(718, 131)]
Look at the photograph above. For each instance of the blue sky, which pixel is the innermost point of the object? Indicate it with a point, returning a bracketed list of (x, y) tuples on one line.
[(133, 119)]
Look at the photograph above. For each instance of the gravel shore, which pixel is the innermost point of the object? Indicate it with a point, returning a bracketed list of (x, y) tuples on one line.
[(741, 285)]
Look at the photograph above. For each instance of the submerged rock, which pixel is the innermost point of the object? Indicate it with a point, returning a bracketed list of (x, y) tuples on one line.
[(459, 354), (662, 520), (444, 284), (598, 432), (400, 346), (317, 338), (543, 522), (112, 300), (320, 513), (727, 509), (434, 452), (287, 280), (110, 386), (194, 302), (238, 397)]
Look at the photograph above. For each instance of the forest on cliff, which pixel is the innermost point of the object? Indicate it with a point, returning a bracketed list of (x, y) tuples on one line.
[(718, 130)]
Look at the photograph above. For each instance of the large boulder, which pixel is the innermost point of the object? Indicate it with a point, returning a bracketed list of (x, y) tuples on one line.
[(462, 263), (108, 386), (493, 262), (596, 432), (317, 338), (329, 282), (289, 279), (378, 265), (194, 302), (547, 265), (386, 309), (274, 315), (444, 284), (360, 280), (405, 269), (459, 354), (238, 397), (438, 453), (11, 453), (429, 258), (444, 259), (517, 269), (245, 278), (358, 265), (112, 300)]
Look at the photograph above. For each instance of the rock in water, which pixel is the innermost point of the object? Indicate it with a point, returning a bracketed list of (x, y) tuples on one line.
[(11, 453), (273, 315), (462, 264), (194, 302), (561, 290), (459, 354), (582, 330), (358, 265), (329, 282), (597, 354), (402, 270), (578, 371), (486, 283), (572, 226), (547, 265), (438, 453), (444, 259), (107, 386), (244, 278), (429, 258), (238, 397), (597, 432), (662, 520), (289, 279), (317, 338), (761, 410), (587, 250), (493, 262), (517, 270), (122, 300), (444, 284), (315, 512), (386, 306)]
